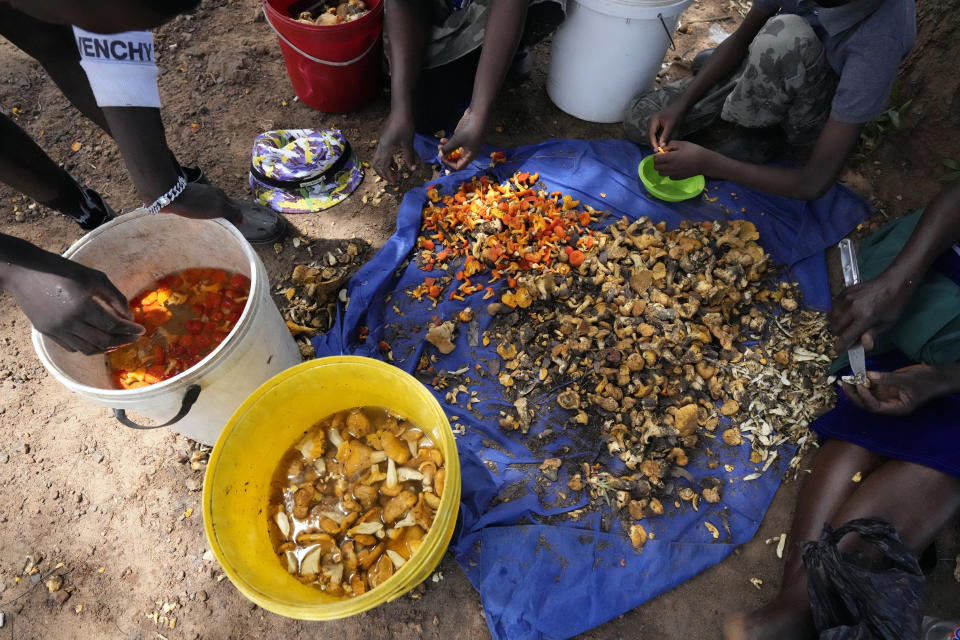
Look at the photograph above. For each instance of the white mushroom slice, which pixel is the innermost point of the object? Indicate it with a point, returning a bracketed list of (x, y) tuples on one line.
[(395, 558), (333, 515), (404, 474), (291, 562), (406, 521), (306, 447), (334, 573), (378, 456), (311, 561), (410, 437), (283, 522), (366, 528), (334, 437), (320, 466), (391, 473)]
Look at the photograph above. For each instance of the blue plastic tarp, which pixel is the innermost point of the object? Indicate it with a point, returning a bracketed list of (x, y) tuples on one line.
[(540, 573)]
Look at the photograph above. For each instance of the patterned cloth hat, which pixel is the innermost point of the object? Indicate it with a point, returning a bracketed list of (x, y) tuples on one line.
[(303, 170)]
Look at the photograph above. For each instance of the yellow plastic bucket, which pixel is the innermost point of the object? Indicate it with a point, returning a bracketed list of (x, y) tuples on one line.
[(267, 424)]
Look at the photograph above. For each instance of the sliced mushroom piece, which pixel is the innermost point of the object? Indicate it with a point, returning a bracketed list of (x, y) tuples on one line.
[(372, 515), (334, 437), (301, 502), (432, 501), (405, 474), (333, 573), (398, 506), (422, 513), (283, 523), (365, 540), (381, 572), (391, 486), (395, 448), (310, 565), (369, 556), (357, 458), (367, 528), (349, 555), (358, 424), (366, 494), (324, 541), (395, 558), (329, 526), (440, 481), (291, 561), (406, 521), (427, 470), (412, 438), (348, 521), (357, 585)]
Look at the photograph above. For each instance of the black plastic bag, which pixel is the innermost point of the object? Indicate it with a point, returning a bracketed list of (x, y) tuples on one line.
[(858, 597)]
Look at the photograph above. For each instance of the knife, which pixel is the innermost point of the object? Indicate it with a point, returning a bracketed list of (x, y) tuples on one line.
[(851, 276)]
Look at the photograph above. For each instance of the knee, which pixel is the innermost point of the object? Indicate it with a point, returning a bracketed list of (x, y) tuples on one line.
[(787, 27), (783, 34), (636, 117)]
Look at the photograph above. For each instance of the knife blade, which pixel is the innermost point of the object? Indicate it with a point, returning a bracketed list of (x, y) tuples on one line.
[(851, 277)]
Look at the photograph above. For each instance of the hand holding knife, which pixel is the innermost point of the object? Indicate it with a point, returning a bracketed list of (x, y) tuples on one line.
[(851, 277)]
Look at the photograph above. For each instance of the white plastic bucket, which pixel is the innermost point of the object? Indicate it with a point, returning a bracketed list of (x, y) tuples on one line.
[(608, 51), (136, 249)]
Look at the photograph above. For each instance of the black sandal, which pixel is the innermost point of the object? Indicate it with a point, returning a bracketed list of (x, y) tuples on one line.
[(259, 225)]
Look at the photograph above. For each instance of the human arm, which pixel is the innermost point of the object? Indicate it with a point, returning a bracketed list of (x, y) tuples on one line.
[(502, 35), (77, 307), (903, 391), (140, 136), (407, 28), (725, 59), (870, 308), (808, 182)]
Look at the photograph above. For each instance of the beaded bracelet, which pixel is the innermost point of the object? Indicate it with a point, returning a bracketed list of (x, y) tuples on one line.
[(169, 196)]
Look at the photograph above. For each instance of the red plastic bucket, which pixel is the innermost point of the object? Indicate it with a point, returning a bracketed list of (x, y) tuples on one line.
[(333, 68)]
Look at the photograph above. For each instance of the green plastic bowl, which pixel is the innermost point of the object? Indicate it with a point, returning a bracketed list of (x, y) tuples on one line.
[(665, 188)]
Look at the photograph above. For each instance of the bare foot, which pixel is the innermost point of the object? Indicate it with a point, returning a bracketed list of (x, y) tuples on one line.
[(778, 620)]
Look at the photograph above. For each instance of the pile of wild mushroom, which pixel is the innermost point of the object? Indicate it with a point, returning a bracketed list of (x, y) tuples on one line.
[(664, 342), (312, 291)]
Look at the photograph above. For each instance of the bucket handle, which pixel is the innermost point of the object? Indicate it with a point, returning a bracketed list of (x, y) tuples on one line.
[(673, 45), (189, 397), (306, 55)]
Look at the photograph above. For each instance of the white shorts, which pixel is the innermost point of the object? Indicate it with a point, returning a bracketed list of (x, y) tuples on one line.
[(120, 67)]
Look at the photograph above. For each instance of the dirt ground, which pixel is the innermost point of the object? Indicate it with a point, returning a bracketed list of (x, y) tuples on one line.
[(117, 513)]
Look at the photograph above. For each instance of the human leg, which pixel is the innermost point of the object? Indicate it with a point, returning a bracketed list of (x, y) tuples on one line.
[(53, 46), (822, 495), (918, 501), (786, 81), (28, 169)]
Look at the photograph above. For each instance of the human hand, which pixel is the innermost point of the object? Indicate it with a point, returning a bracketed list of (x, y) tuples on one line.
[(76, 306), (898, 392), (397, 135), (864, 311), (684, 160), (662, 125), (468, 138)]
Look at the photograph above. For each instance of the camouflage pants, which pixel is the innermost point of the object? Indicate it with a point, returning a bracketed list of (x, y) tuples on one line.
[(785, 80)]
